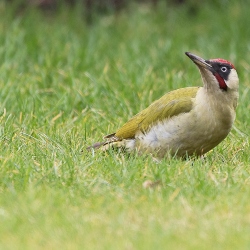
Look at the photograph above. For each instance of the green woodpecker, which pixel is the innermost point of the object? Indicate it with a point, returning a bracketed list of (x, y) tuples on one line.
[(187, 121)]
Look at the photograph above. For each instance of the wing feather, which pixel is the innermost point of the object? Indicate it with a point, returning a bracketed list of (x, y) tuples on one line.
[(171, 104)]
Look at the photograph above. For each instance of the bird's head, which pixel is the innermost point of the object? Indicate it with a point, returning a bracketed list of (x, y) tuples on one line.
[(217, 74)]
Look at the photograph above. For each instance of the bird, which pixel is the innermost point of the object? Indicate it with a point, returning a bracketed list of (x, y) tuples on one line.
[(186, 122)]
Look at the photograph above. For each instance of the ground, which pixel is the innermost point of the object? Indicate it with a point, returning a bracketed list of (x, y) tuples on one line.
[(65, 84)]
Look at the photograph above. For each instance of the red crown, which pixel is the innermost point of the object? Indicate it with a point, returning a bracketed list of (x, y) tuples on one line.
[(222, 61)]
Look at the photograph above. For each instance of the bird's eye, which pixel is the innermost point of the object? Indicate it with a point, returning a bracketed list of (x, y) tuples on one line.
[(223, 69)]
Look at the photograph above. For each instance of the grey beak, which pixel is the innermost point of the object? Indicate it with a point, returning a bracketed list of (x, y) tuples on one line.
[(199, 61)]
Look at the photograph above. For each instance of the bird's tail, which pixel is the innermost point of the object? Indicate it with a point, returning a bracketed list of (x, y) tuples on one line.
[(96, 145), (112, 142), (106, 145)]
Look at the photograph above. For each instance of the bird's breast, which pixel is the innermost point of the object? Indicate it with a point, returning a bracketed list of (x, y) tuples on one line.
[(195, 132)]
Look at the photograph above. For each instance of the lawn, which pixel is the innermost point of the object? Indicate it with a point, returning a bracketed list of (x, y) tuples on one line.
[(65, 84)]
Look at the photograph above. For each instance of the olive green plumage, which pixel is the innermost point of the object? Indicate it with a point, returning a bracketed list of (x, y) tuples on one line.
[(171, 104)]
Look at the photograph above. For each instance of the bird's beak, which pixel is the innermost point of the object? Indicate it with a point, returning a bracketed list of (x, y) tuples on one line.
[(200, 62)]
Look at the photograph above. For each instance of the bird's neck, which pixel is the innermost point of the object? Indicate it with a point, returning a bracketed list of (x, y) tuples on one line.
[(217, 106)]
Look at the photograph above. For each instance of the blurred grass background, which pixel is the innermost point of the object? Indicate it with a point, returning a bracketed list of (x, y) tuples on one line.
[(68, 77)]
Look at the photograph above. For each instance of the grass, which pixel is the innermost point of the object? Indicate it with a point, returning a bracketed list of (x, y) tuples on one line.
[(65, 84)]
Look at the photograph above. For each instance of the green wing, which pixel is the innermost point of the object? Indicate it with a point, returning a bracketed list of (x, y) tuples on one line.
[(169, 105)]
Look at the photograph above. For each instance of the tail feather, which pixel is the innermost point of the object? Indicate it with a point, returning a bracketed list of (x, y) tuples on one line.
[(106, 145), (111, 142), (96, 145)]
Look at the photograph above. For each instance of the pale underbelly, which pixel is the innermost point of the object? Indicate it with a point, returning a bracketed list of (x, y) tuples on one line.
[(177, 138)]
